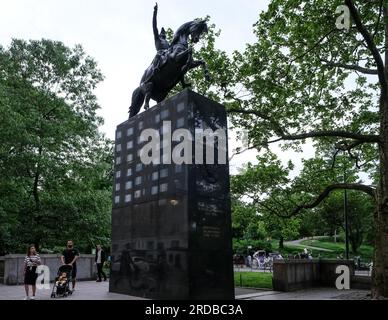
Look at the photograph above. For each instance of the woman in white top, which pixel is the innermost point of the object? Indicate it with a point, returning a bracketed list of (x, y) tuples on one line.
[(31, 262)]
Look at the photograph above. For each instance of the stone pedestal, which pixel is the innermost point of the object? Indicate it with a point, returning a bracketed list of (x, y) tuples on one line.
[(171, 223)]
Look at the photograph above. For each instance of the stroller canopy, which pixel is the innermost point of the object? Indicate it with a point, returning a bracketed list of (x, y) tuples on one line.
[(65, 268)]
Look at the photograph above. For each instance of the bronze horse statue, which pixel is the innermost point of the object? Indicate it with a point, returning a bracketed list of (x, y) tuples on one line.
[(156, 83)]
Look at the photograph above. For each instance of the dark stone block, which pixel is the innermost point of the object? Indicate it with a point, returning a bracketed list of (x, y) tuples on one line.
[(171, 224), (327, 270), (361, 282)]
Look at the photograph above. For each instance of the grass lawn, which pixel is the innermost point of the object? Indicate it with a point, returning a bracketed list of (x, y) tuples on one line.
[(323, 243), (261, 280), (365, 251), (288, 249)]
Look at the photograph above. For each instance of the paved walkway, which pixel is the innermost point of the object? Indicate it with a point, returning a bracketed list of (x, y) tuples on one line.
[(90, 290), (308, 294), (298, 243), (85, 290)]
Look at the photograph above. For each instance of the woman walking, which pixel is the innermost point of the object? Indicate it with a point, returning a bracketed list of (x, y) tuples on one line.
[(31, 262)]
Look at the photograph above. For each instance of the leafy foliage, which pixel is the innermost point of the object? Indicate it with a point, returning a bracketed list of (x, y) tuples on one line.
[(55, 166)]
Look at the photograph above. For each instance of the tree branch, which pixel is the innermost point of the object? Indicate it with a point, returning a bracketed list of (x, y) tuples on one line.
[(350, 67), (313, 134), (369, 190), (348, 186), (241, 151), (330, 133), (315, 45), (250, 112), (370, 45), (379, 18), (346, 147), (261, 115), (270, 209)]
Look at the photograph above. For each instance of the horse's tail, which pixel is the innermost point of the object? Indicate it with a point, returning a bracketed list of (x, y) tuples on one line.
[(137, 101)]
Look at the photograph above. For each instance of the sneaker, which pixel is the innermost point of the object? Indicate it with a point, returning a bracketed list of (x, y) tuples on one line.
[(98, 280), (32, 298), (26, 298)]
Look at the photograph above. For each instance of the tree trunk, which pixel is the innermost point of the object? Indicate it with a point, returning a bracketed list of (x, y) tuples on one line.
[(380, 261), (281, 242), (36, 212), (35, 188), (37, 244)]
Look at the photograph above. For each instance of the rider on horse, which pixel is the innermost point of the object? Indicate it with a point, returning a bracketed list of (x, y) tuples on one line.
[(161, 43), (170, 65)]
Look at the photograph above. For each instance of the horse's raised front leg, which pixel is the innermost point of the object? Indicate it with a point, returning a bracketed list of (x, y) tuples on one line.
[(196, 63), (187, 66)]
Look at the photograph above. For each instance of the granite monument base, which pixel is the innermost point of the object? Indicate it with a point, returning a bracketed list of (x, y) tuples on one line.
[(171, 222)]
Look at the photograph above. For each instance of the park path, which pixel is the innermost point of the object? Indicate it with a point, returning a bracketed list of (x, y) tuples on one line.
[(87, 290), (299, 244)]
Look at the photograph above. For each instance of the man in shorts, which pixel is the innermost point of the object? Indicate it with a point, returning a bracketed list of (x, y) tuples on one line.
[(69, 257)]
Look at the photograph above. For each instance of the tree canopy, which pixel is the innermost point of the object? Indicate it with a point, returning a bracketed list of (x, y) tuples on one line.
[(55, 166), (306, 80)]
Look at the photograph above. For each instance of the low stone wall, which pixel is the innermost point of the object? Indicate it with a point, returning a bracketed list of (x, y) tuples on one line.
[(14, 267), (327, 275), (290, 275), (1, 269), (361, 282)]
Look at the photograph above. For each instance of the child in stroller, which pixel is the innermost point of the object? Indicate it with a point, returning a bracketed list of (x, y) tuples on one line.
[(62, 282)]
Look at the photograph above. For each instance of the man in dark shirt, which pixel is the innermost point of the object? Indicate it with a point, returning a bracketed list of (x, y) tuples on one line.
[(69, 257)]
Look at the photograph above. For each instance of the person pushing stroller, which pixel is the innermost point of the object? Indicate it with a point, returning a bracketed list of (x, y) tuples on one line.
[(69, 257)]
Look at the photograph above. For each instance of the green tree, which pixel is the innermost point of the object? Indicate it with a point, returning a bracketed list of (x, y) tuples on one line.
[(263, 186), (328, 219), (55, 166), (245, 221), (360, 216), (305, 78), (280, 228)]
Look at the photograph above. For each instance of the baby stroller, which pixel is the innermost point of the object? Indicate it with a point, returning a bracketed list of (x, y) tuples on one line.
[(62, 289)]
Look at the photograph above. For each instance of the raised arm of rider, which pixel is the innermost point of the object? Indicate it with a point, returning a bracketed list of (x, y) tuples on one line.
[(155, 23)]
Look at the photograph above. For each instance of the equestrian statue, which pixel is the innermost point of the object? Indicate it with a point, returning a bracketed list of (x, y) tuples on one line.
[(171, 63)]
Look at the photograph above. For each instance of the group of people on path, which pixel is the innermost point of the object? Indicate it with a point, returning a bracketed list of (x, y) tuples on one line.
[(69, 257)]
